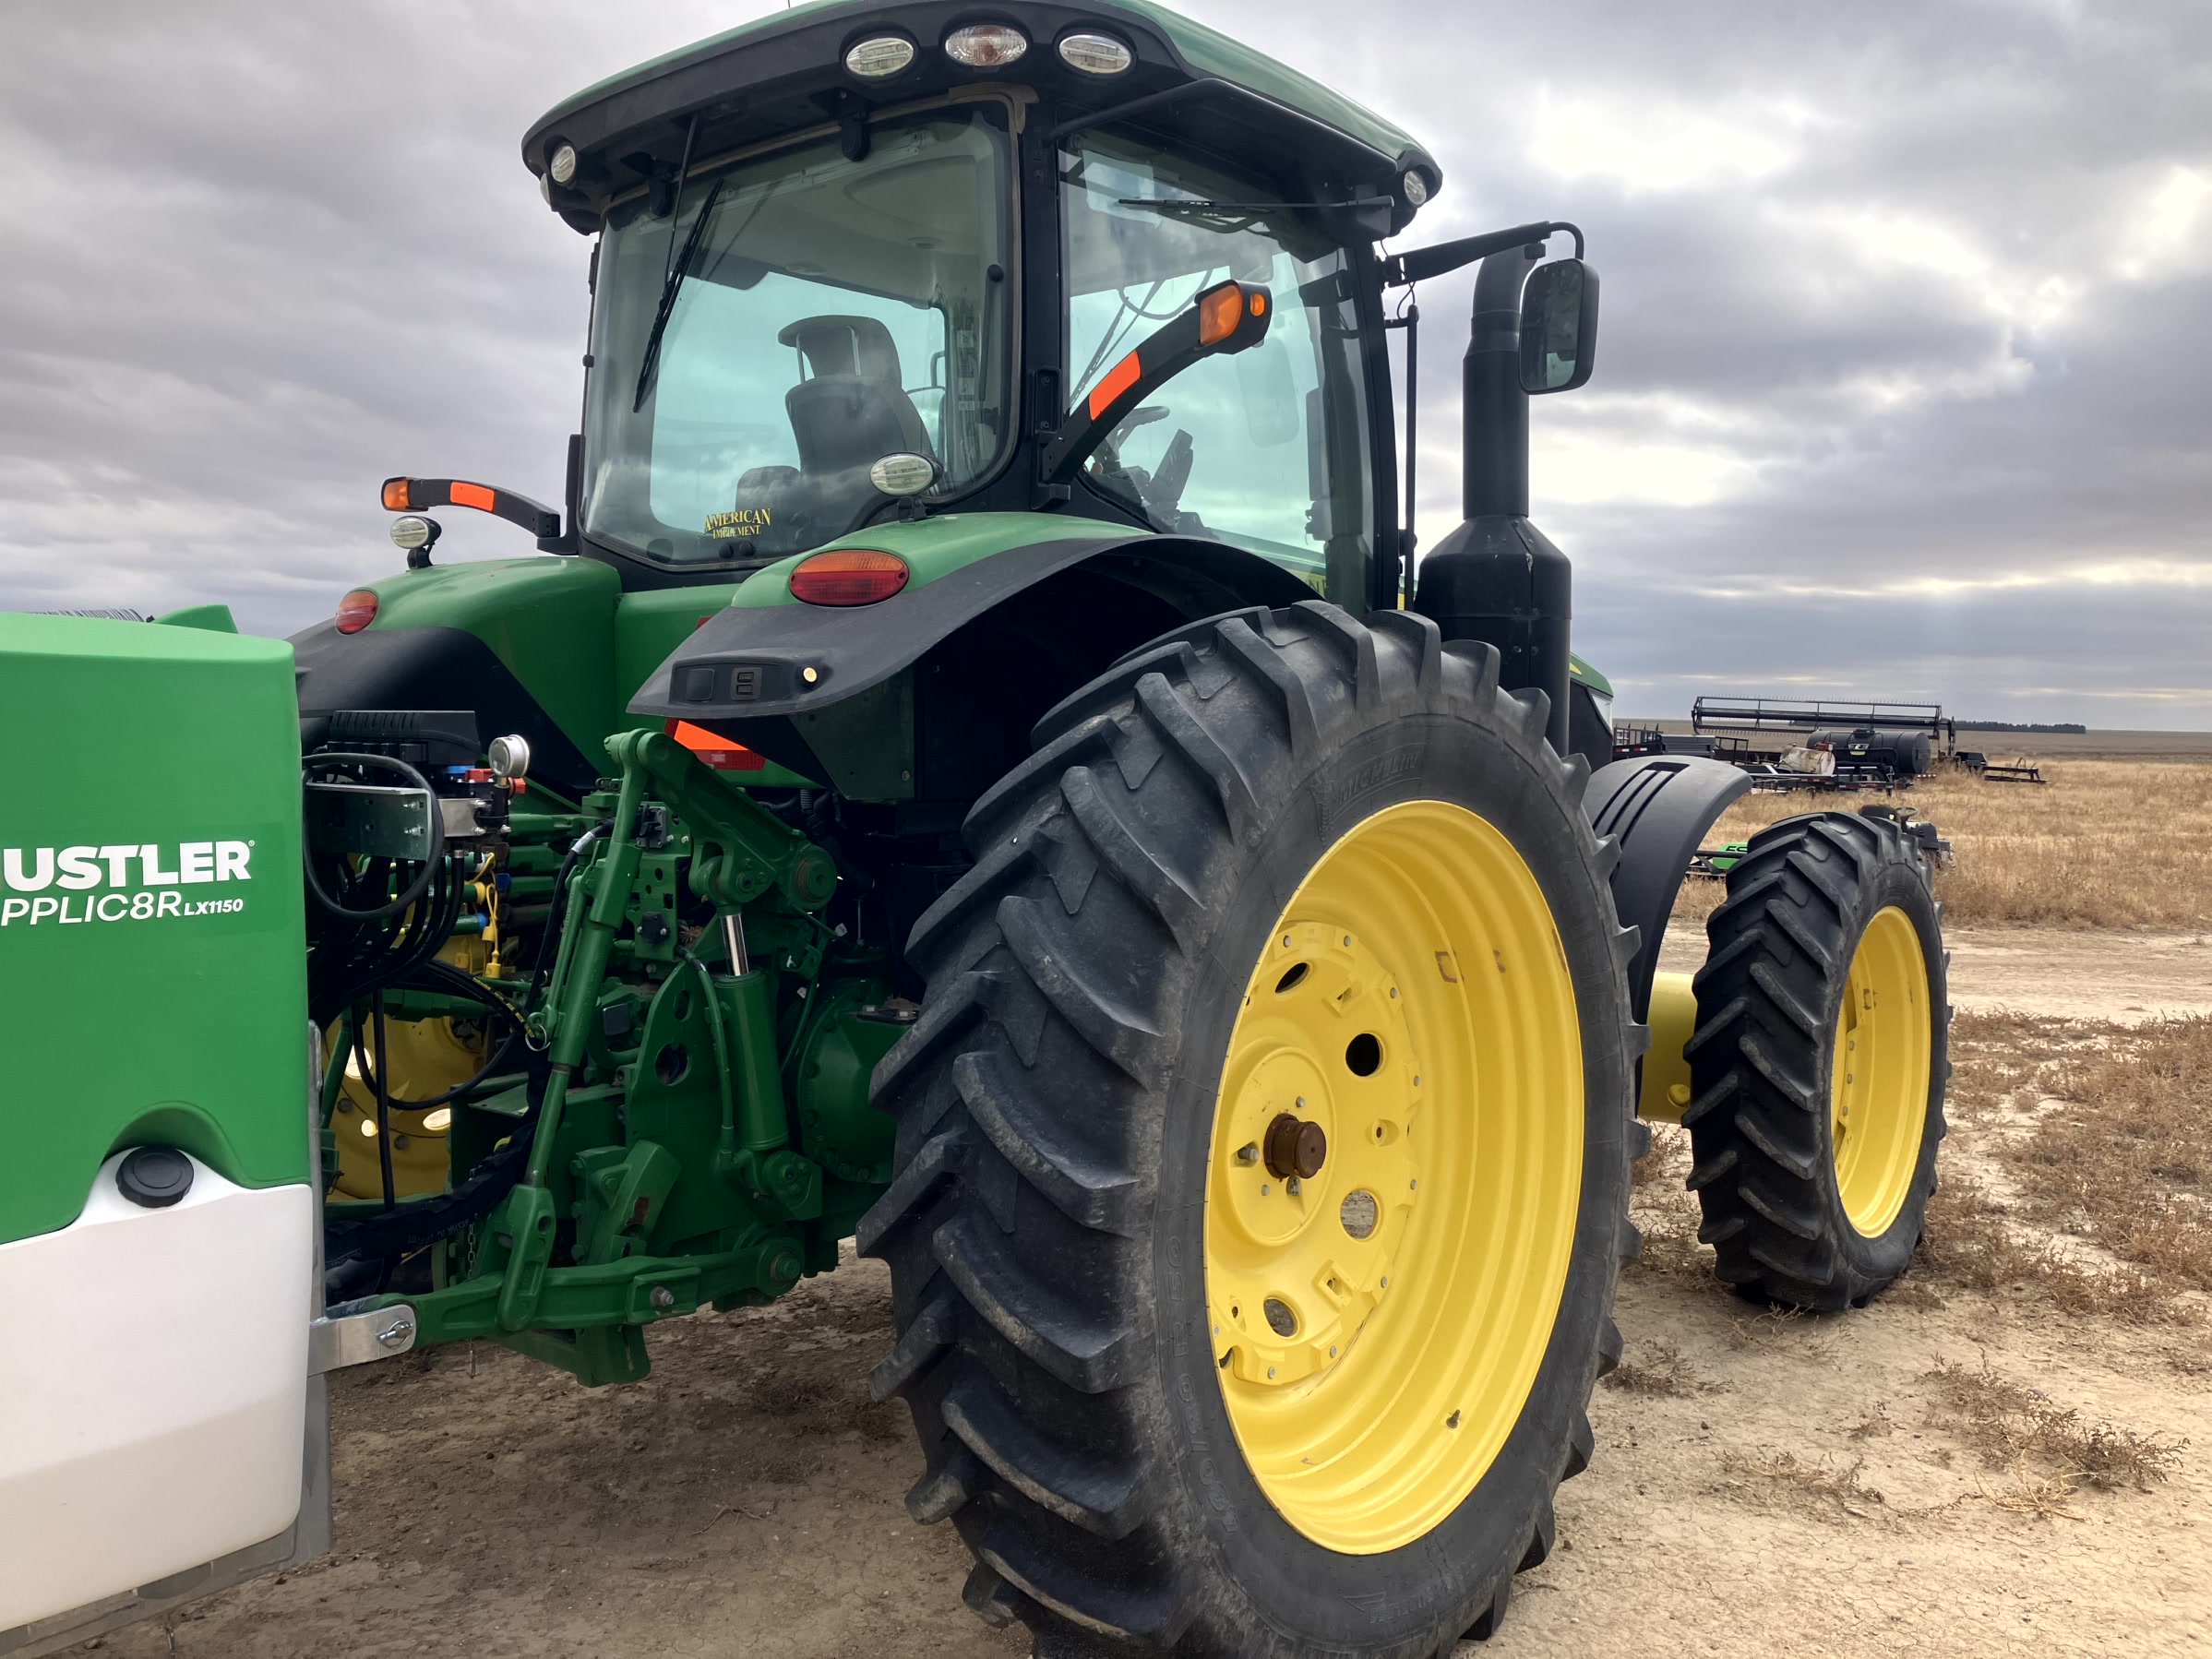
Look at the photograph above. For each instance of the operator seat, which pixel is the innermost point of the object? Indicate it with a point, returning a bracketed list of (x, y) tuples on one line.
[(852, 409)]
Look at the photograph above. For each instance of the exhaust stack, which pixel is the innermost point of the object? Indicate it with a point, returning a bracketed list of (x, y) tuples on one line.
[(1497, 578)]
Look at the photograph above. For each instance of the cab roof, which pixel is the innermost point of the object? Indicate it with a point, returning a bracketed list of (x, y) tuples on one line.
[(784, 74)]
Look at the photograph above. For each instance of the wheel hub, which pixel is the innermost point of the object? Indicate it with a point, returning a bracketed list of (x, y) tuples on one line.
[(1296, 1148), (1303, 1134)]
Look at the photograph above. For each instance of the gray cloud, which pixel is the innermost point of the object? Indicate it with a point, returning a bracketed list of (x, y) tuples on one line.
[(1900, 391)]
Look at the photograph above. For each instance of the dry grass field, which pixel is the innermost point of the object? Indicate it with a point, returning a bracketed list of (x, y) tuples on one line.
[(2106, 844), (2010, 1453)]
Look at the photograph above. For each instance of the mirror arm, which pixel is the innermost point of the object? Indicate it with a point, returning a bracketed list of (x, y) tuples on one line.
[(1170, 349), (1402, 269), (412, 494)]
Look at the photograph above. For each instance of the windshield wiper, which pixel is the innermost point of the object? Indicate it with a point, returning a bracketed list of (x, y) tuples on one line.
[(670, 286), (1161, 203)]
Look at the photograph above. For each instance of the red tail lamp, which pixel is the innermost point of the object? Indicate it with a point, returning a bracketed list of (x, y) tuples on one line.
[(356, 611), (848, 576)]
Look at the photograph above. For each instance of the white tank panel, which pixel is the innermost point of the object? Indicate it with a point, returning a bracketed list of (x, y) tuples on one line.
[(153, 1387)]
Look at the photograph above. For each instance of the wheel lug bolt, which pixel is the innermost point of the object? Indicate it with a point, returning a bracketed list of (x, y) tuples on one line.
[(1249, 1152), (1294, 1186)]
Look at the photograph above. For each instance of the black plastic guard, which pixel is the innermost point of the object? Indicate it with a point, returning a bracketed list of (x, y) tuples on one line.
[(403, 668), (1659, 806)]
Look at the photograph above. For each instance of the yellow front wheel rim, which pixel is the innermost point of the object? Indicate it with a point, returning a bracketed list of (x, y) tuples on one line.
[(1878, 1092), (1380, 1311)]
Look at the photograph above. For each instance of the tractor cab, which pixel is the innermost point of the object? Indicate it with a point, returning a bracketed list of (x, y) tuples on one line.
[(860, 263)]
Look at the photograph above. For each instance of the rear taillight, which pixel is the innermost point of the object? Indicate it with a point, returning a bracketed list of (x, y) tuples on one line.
[(848, 576), (356, 611)]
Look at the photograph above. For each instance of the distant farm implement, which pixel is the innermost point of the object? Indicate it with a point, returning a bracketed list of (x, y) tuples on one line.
[(1819, 744), (2018, 771), (1788, 745)]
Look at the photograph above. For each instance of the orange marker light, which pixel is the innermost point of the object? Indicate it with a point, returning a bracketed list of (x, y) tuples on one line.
[(356, 611), (1258, 304), (848, 576), (395, 495), (1219, 312), (717, 752), (1119, 379), (473, 494)]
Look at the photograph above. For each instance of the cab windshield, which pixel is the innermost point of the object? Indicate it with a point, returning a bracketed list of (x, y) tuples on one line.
[(797, 318)]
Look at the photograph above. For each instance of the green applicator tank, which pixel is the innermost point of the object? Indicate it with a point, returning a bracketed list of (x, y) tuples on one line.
[(153, 1036)]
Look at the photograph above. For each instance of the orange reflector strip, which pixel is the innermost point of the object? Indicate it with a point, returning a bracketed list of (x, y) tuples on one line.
[(395, 495), (1219, 312), (1119, 379), (473, 494), (717, 752)]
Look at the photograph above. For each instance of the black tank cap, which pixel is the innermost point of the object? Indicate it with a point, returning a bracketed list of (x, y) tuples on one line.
[(155, 1176)]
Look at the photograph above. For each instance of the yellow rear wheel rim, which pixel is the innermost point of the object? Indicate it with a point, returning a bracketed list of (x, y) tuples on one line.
[(1878, 1092), (428, 1056), (1379, 1322)]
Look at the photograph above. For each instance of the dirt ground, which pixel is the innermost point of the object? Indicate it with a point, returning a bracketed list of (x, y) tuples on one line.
[(2062, 972), (1904, 1479)]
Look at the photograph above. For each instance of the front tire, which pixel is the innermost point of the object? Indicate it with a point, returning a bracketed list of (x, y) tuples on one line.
[(1259, 836), (1818, 1066)]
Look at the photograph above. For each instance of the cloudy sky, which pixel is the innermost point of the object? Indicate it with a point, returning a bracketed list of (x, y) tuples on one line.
[(1903, 386)]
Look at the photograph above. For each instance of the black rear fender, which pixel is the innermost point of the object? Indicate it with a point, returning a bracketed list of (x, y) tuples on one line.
[(930, 695)]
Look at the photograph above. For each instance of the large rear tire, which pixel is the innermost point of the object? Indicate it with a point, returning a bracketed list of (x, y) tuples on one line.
[(1262, 1151), (1818, 1066)]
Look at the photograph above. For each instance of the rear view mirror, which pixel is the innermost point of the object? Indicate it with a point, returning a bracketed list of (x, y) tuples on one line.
[(1559, 327)]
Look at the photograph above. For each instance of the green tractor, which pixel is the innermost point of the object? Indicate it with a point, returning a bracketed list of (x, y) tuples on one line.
[(968, 768)]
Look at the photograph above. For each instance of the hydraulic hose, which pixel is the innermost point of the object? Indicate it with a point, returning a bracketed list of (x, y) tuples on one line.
[(430, 858), (558, 918), (424, 1221), (449, 978)]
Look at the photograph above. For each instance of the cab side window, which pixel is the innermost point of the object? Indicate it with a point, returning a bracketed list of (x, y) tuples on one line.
[(1265, 449)]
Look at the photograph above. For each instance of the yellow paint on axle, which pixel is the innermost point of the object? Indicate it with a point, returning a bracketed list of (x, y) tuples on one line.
[(1673, 1019)]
